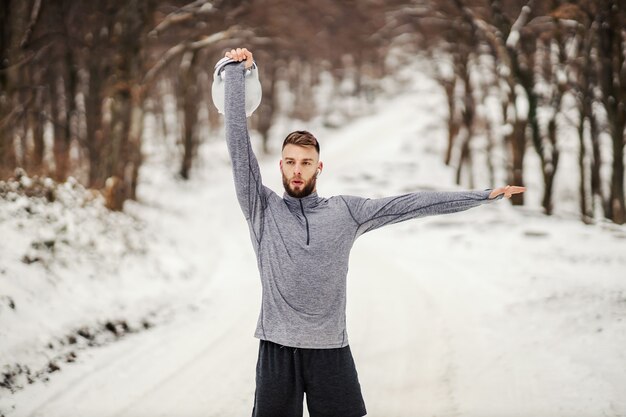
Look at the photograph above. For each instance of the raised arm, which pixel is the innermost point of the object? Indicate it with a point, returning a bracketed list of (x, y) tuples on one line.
[(250, 191), (370, 214)]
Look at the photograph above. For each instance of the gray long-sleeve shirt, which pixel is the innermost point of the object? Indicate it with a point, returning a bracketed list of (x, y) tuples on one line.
[(302, 245)]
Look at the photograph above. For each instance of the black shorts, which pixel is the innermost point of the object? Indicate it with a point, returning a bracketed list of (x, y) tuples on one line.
[(327, 376)]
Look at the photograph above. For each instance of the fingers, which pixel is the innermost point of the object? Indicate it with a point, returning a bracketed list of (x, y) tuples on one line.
[(233, 54), (509, 190), (240, 54)]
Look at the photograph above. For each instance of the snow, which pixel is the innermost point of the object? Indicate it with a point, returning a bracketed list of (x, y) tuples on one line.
[(513, 39), (514, 35), (521, 102), (499, 310)]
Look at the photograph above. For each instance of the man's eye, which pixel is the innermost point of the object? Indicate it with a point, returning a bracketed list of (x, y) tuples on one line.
[(307, 163), (289, 162)]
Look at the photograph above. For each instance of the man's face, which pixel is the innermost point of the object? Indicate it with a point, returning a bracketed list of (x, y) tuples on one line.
[(299, 169)]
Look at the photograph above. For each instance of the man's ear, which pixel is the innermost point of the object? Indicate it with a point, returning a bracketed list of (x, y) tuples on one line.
[(280, 164), (320, 166)]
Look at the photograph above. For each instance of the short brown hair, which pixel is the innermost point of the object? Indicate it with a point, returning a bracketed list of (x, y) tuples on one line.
[(302, 138)]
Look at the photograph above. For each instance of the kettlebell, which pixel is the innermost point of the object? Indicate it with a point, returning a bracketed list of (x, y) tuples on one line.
[(252, 89)]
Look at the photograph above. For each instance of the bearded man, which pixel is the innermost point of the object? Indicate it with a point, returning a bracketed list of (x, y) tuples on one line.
[(302, 242)]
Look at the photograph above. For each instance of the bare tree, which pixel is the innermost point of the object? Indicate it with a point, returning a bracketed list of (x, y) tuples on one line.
[(86, 69), (13, 101), (612, 18)]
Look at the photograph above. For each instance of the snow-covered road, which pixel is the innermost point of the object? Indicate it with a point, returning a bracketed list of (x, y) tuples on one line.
[(491, 312)]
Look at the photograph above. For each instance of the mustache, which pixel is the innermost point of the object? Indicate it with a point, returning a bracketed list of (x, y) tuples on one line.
[(306, 188)]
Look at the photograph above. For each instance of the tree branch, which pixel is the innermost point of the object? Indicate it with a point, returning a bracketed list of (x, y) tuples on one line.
[(34, 15), (514, 33), (173, 52), (489, 31), (183, 14)]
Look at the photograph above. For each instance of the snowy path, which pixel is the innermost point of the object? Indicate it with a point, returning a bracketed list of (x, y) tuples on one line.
[(472, 314)]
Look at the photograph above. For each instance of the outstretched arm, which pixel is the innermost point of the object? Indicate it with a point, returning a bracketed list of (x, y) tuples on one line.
[(370, 214), (248, 185)]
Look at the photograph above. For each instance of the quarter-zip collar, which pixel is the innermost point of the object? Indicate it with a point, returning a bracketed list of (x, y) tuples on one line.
[(306, 203), (303, 205)]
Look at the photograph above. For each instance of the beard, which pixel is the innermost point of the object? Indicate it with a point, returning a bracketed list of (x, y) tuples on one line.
[(303, 191)]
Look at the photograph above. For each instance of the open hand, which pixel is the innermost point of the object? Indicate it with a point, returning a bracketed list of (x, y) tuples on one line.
[(508, 191), (240, 54)]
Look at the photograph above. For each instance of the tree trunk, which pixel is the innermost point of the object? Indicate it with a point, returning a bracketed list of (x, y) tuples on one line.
[(62, 81), (267, 108), (613, 83), (453, 124), (62, 101), (517, 141), (37, 120), (135, 158), (130, 95), (586, 198), (7, 159), (115, 130), (489, 151), (467, 116), (618, 205), (187, 100), (589, 171), (93, 114), (549, 168), (14, 19)]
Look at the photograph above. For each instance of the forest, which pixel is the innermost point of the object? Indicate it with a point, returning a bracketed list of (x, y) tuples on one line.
[(78, 79)]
